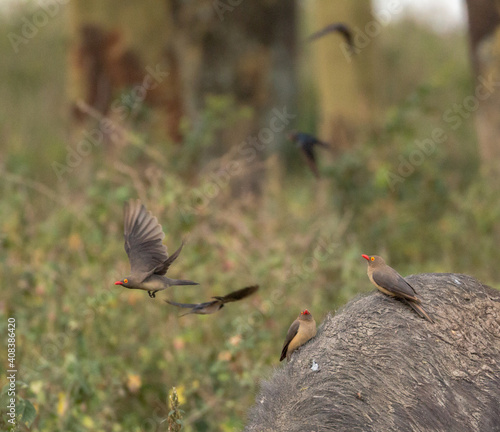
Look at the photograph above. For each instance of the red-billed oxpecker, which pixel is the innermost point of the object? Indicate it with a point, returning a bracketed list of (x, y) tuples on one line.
[(217, 304), (147, 254), (390, 282), (307, 143), (302, 330)]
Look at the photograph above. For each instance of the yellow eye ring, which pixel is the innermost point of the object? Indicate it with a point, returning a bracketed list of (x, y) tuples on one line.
[(373, 259), (125, 280)]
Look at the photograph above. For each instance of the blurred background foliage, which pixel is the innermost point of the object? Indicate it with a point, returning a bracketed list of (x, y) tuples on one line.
[(95, 357)]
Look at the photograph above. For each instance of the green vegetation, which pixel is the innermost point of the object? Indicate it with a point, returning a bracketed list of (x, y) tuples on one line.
[(92, 356), (175, 414)]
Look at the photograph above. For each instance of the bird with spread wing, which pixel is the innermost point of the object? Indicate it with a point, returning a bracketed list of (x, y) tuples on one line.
[(217, 304), (149, 260)]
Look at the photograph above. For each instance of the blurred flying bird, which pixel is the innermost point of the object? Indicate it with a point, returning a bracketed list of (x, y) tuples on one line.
[(307, 142), (147, 254), (301, 330), (217, 304), (390, 282), (341, 28)]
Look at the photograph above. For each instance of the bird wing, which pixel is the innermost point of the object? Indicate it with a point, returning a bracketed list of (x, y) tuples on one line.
[(303, 138), (143, 240), (308, 140), (196, 308), (419, 310), (238, 295), (392, 281), (163, 268), (343, 29), (183, 305), (292, 332), (324, 145), (310, 158)]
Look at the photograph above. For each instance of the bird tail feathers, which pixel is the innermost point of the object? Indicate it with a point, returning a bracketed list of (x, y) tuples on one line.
[(181, 282), (420, 310)]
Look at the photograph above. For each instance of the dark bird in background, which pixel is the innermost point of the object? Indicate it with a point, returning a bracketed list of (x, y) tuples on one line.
[(390, 282), (341, 28), (307, 142), (217, 304), (302, 330), (147, 254)]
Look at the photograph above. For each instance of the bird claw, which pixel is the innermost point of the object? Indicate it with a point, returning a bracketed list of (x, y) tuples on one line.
[(152, 294)]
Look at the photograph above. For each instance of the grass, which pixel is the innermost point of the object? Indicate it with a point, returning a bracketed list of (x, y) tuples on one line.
[(93, 356)]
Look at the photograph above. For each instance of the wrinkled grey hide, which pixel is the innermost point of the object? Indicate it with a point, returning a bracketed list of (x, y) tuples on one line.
[(383, 368)]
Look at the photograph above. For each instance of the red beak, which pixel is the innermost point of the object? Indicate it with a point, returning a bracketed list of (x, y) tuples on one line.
[(366, 257), (118, 283)]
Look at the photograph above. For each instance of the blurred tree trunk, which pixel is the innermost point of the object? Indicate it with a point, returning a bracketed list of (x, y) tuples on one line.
[(484, 37), (231, 48), (243, 50), (116, 47), (344, 81)]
